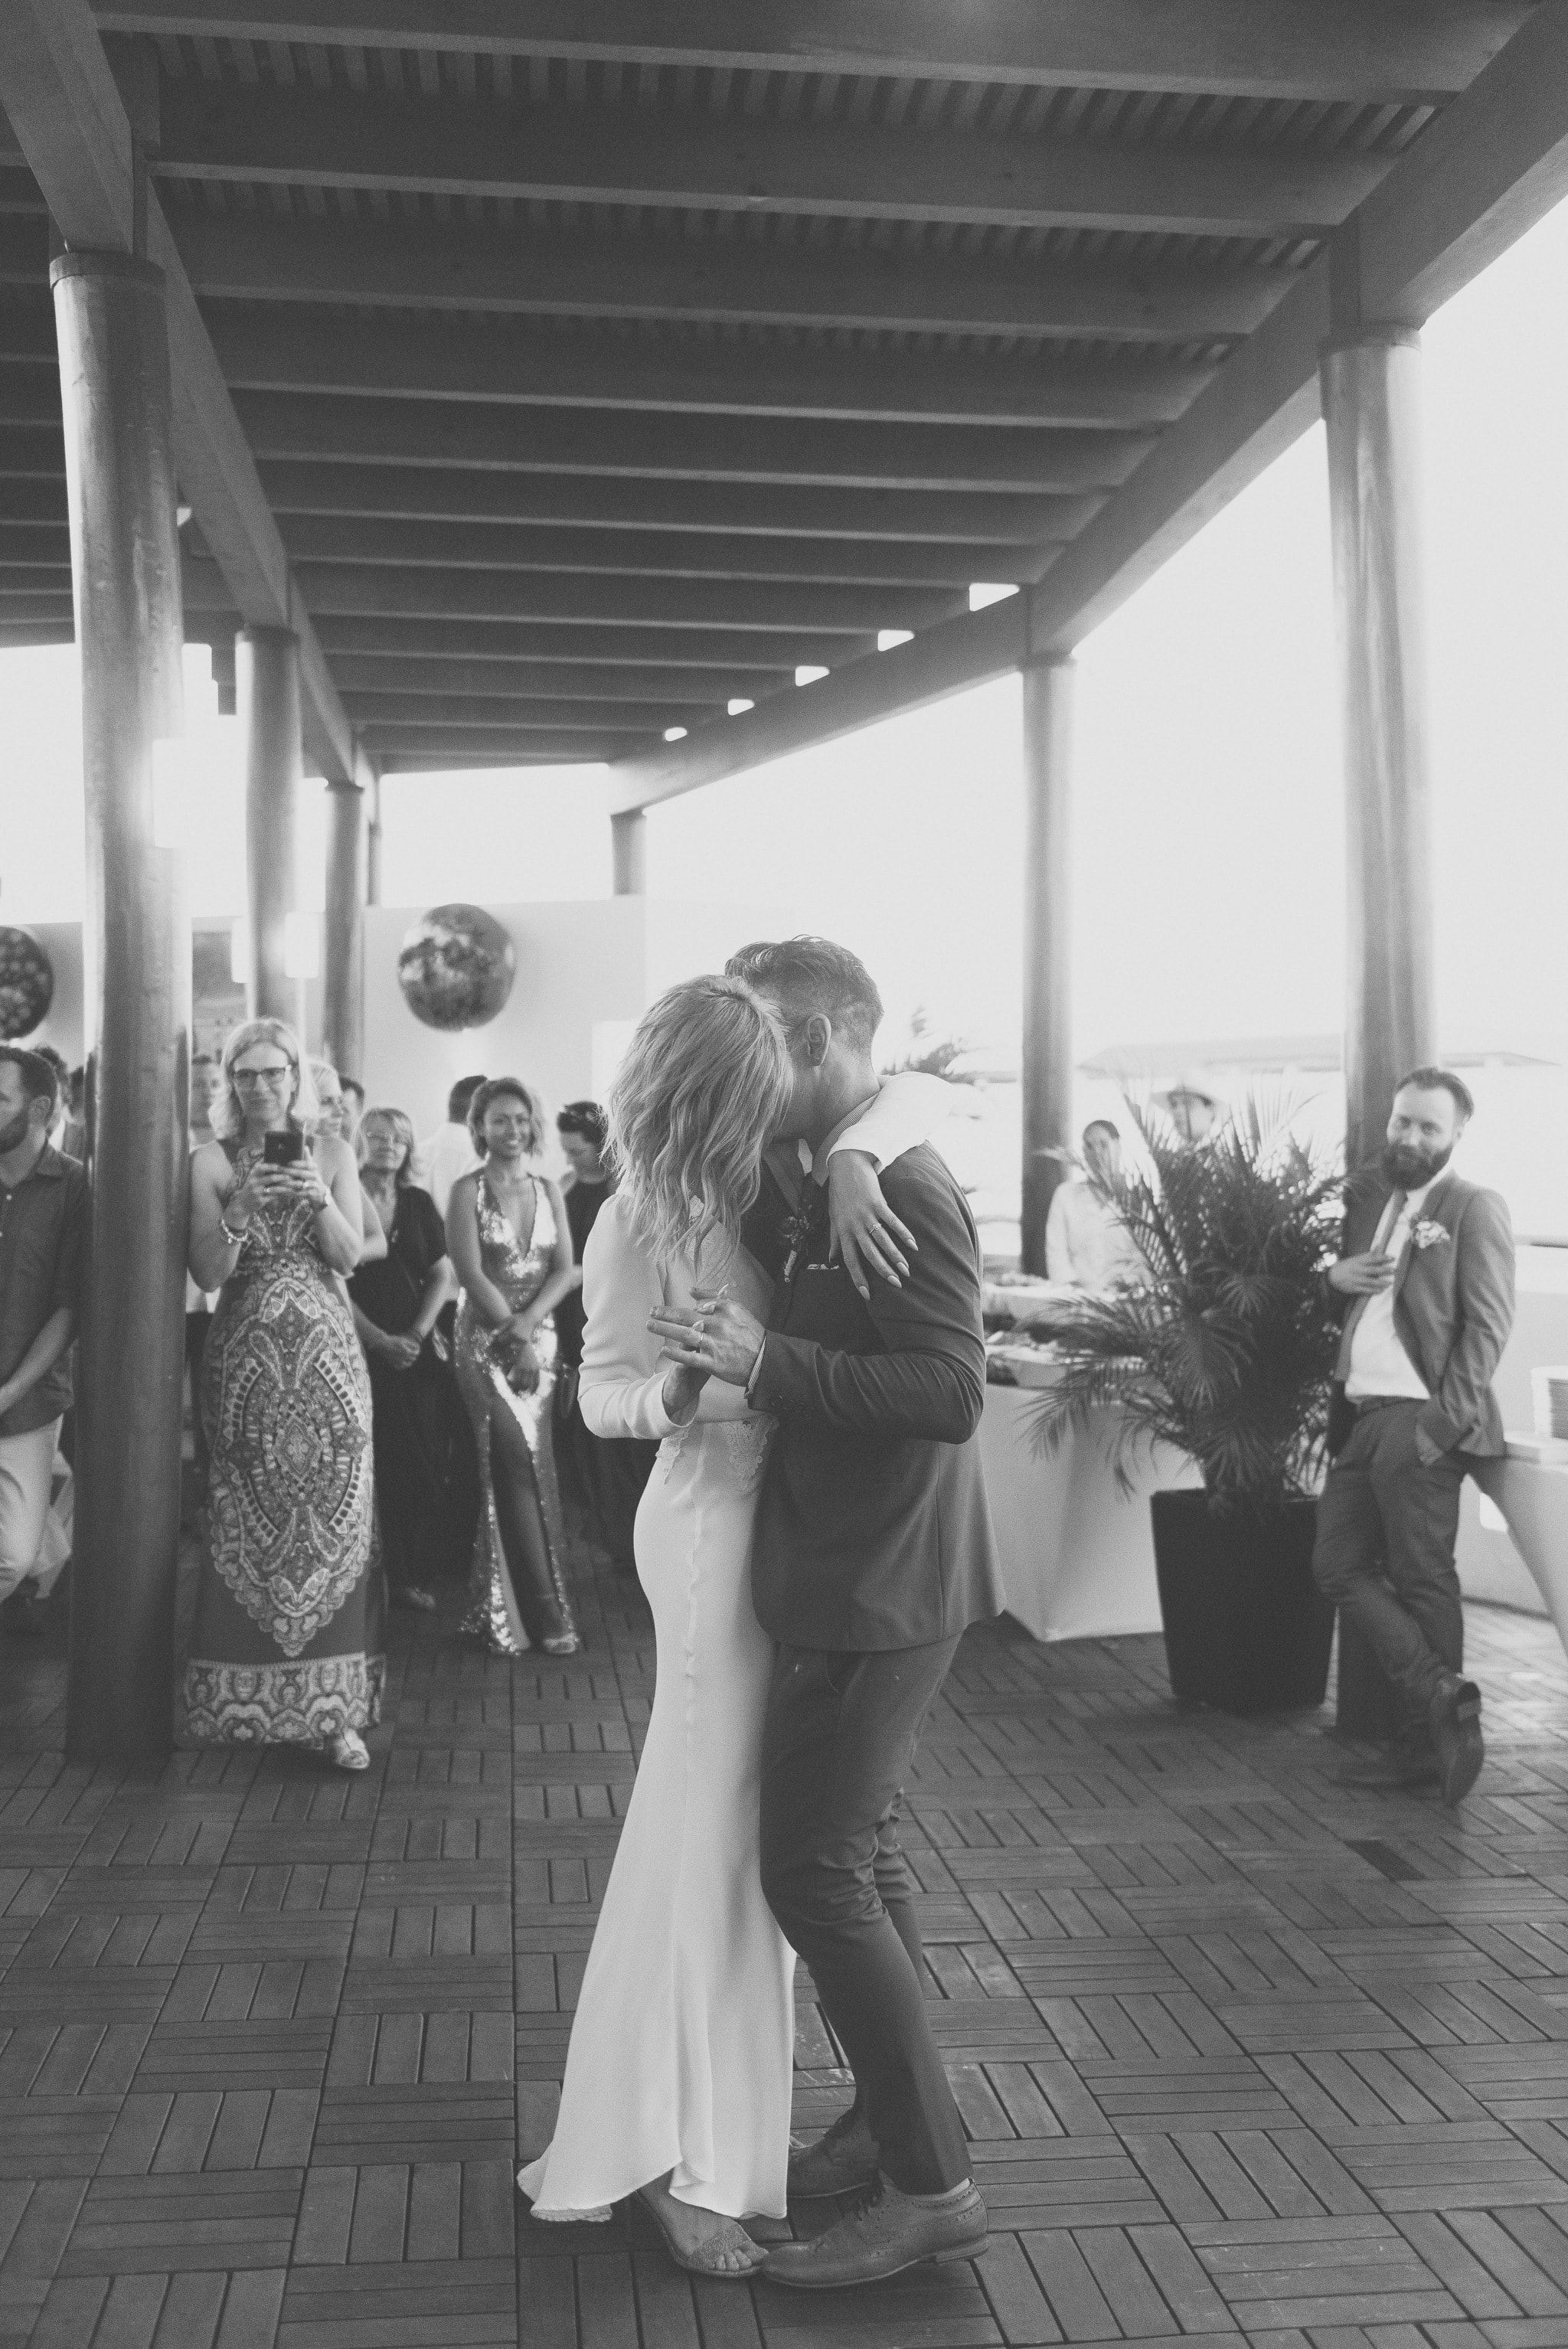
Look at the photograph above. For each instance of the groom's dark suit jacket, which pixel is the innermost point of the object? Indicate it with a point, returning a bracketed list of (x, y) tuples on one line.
[(874, 1530)]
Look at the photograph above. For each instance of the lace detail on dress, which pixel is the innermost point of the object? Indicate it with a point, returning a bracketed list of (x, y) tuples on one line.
[(734, 1451)]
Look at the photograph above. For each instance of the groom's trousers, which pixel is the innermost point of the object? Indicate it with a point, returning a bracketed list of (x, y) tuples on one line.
[(837, 1742)]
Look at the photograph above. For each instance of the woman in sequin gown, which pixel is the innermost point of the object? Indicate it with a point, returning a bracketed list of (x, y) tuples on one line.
[(507, 1238), (287, 1647)]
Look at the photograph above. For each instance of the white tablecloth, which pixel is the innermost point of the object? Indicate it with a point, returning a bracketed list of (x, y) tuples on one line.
[(1077, 1560), (1533, 1498)]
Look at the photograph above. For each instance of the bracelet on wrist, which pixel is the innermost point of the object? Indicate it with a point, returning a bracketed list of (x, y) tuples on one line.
[(231, 1237)]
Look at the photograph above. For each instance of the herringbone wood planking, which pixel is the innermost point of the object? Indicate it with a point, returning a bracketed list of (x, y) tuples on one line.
[(1244, 2054)]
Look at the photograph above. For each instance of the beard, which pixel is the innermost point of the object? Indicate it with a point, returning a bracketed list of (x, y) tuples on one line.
[(1407, 1168), (14, 1136)]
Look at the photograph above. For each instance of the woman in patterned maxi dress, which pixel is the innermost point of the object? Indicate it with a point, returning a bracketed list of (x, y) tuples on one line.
[(286, 1647), (507, 1238)]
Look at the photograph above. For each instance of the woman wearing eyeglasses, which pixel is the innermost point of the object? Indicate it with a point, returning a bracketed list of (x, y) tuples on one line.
[(286, 1647)]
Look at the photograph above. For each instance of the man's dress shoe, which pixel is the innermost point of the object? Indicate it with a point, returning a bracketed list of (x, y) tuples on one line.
[(1408, 1764), (840, 2162), (885, 2233), (1453, 1717)]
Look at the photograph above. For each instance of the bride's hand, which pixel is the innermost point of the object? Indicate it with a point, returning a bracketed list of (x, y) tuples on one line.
[(865, 1232), (683, 1385)]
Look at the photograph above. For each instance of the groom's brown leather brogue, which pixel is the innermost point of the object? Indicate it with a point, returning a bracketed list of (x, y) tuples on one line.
[(884, 2234), (840, 2162)]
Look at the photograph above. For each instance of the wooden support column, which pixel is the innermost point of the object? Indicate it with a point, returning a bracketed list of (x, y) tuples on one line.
[(629, 852), (1047, 1069), (343, 929), (125, 570), (1370, 405), (266, 688)]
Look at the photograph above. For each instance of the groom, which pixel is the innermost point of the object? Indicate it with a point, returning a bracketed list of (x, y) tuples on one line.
[(873, 1551)]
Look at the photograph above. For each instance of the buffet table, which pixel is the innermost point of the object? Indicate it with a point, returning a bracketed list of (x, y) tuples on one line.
[(1078, 1558)]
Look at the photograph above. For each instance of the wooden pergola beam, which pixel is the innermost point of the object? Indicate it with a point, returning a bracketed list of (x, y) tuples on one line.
[(463, 715), (1364, 52), (1498, 161), (670, 690), (643, 553), (555, 597), (497, 746), (255, 134), (309, 350), (1009, 459), (370, 264), (430, 492), (721, 649), (70, 123)]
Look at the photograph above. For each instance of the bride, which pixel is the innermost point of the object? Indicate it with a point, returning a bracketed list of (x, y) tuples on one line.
[(678, 2075)]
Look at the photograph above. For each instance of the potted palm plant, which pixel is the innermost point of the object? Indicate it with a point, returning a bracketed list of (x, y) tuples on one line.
[(1225, 1353)]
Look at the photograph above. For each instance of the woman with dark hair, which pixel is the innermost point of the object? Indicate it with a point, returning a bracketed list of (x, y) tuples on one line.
[(395, 1305), (602, 1476), (508, 1237), (287, 1647)]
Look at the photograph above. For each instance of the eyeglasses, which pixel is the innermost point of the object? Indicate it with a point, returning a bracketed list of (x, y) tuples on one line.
[(273, 1076)]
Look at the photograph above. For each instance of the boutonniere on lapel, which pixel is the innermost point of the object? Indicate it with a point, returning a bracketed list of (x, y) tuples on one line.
[(798, 1227), (1428, 1234)]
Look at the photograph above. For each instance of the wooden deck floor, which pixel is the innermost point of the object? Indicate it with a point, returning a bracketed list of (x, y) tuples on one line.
[(1246, 2055)]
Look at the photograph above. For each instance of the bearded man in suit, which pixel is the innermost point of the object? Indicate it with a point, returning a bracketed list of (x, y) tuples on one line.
[(1428, 1277)]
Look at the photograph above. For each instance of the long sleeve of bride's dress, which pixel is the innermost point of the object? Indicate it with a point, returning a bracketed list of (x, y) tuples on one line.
[(908, 1110), (622, 1384)]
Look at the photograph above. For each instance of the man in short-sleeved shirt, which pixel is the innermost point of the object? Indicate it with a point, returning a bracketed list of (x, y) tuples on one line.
[(43, 1234)]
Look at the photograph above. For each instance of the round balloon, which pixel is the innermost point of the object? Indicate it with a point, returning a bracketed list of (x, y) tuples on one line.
[(456, 966), (26, 984)]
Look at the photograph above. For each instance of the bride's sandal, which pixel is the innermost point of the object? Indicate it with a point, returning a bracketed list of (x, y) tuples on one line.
[(729, 2253)]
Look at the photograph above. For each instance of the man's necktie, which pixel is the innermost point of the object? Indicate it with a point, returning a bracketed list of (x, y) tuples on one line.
[(1385, 1232)]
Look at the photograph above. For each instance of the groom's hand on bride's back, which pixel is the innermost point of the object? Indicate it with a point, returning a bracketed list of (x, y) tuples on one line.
[(865, 1232)]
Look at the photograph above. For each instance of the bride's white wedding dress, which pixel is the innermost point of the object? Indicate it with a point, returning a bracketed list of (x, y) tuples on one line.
[(681, 2052)]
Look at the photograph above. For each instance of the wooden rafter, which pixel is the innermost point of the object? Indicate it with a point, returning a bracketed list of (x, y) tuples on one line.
[(1365, 52), (430, 264), (253, 134), (66, 113), (1499, 160)]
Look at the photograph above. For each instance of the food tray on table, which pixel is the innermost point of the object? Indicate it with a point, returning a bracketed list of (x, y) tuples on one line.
[(1015, 1362)]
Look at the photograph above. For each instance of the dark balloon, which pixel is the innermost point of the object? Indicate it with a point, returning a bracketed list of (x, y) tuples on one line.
[(26, 984), (456, 967)]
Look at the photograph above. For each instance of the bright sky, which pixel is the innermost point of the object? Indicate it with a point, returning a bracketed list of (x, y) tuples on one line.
[(1208, 855)]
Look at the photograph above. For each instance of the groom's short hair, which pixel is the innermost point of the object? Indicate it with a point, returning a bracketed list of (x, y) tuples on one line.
[(806, 975)]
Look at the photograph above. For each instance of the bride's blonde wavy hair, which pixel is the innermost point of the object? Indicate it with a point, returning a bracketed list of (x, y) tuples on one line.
[(705, 1083)]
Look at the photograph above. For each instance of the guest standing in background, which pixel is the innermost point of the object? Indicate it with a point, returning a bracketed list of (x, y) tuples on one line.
[(450, 1151), (438, 1161), (396, 1305), (55, 1061), (74, 1140), (334, 1121), (44, 1212), (508, 1236), (604, 1476), (352, 1110), (286, 1647), (1427, 1283), (1087, 1245)]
